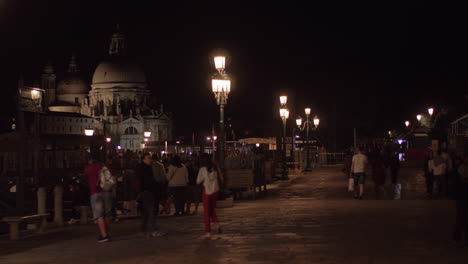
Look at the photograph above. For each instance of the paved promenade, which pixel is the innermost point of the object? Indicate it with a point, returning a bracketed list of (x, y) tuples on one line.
[(311, 219)]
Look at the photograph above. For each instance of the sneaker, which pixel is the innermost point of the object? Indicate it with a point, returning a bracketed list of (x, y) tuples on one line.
[(103, 239)]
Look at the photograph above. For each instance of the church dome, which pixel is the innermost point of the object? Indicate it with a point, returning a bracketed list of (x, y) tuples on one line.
[(72, 84), (118, 71)]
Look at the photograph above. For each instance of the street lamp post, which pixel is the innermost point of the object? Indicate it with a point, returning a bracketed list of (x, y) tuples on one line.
[(221, 87), (307, 126), (284, 114)]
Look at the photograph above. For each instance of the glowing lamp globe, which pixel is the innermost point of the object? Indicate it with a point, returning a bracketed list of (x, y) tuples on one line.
[(220, 62), (108, 139), (407, 123), (89, 132), (430, 111), (316, 121), (219, 85), (307, 111), (283, 99), (418, 117), (299, 122), (284, 113), (147, 134)]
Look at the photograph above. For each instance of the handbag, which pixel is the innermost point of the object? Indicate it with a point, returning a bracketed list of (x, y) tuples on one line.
[(351, 185)]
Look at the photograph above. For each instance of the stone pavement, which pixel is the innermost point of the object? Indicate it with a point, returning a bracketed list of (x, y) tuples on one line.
[(311, 219)]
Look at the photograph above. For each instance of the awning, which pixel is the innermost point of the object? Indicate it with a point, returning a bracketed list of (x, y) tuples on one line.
[(257, 141)]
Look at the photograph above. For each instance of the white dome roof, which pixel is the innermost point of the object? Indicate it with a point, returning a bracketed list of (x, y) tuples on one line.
[(119, 72), (72, 84)]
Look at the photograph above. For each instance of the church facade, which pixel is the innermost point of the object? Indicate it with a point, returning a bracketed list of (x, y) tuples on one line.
[(118, 100)]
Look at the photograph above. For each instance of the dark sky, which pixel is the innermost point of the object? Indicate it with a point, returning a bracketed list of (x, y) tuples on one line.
[(366, 65)]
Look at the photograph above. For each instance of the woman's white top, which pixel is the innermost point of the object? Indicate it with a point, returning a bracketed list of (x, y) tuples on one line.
[(209, 180)]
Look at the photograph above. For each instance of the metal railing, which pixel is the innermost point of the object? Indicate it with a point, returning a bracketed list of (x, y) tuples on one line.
[(330, 158)]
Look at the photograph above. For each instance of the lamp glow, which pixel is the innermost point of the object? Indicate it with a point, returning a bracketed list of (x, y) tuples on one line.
[(257, 145), (119, 147), (430, 111), (108, 139), (208, 138), (299, 122), (307, 111), (221, 85), (407, 123), (284, 113), (283, 99), (316, 121), (89, 132), (418, 117), (400, 141), (390, 133), (220, 62), (145, 139), (147, 134), (35, 94), (215, 138)]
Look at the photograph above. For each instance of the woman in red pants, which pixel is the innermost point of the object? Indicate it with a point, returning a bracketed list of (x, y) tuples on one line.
[(208, 175)]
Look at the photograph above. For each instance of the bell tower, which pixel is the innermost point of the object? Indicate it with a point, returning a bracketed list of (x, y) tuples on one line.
[(48, 84), (117, 45)]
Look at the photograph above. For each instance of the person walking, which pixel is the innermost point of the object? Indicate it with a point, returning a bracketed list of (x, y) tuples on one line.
[(208, 176), (394, 164), (101, 201), (358, 171), (194, 193), (109, 166), (177, 178), (461, 196), (438, 166), (159, 174), (378, 174), (428, 164), (146, 196)]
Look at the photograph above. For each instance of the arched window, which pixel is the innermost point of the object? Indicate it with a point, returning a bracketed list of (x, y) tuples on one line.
[(131, 131)]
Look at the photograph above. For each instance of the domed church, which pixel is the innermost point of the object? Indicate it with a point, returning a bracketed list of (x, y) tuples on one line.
[(118, 99)]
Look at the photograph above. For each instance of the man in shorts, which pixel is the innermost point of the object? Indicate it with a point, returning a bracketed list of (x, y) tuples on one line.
[(358, 168), (101, 201)]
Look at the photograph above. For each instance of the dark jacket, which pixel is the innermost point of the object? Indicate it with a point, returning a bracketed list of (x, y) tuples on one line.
[(145, 174)]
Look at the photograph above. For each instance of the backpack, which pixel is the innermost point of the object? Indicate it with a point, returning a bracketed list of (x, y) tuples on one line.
[(105, 181)]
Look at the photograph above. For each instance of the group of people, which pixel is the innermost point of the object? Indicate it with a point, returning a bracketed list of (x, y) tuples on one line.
[(440, 171), (380, 162), (180, 183)]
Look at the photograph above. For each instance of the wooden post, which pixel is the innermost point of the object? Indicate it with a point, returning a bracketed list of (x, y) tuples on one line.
[(14, 231), (41, 206), (58, 205)]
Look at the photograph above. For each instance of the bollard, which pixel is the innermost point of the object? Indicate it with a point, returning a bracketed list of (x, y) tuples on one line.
[(58, 205), (42, 207), (83, 215)]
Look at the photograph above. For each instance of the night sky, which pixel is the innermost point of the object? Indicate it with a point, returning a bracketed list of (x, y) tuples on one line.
[(371, 66)]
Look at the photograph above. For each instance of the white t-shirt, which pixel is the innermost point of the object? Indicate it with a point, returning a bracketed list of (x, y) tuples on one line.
[(209, 179), (437, 170), (360, 162)]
